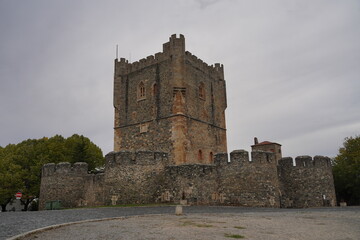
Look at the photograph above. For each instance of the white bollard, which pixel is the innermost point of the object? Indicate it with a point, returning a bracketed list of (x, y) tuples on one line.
[(178, 210), (343, 204)]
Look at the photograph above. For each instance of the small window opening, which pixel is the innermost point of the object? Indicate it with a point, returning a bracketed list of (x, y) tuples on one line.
[(202, 91), (200, 155), (154, 89), (267, 158), (211, 157), (141, 91)]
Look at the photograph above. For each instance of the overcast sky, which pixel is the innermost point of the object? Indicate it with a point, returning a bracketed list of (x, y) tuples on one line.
[(292, 67)]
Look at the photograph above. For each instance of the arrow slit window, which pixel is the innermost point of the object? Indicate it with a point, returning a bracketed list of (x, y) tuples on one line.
[(202, 91)]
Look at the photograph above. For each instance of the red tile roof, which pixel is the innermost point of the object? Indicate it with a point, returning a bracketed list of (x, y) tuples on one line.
[(265, 143)]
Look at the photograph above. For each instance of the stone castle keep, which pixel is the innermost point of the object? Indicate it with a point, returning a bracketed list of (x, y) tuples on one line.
[(172, 103), (170, 146)]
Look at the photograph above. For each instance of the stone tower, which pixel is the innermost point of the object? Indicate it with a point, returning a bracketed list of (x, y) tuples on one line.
[(268, 147), (171, 102)]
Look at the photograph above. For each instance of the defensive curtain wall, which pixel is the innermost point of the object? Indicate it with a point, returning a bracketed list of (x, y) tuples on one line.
[(146, 177), (310, 183)]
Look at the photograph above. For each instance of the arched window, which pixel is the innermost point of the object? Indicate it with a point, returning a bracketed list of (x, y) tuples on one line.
[(202, 91), (200, 155), (141, 91), (154, 89), (211, 157)]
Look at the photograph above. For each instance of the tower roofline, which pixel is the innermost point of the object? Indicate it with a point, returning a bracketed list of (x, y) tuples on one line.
[(265, 143), (175, 45)]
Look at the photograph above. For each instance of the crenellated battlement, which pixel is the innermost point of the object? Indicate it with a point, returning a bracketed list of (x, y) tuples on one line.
[(241, 157), (135, 158), (221, 159), (308, 182), (230, 180), (237, 157), (176, 45), (123, 66), (65, 168), (217, 68), (305, 162)]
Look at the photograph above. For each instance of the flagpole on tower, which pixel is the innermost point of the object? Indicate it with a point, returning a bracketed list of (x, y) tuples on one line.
[(117, 51)]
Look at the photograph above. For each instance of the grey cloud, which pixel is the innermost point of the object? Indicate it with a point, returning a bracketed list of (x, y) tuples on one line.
[(291, 66), (206, 3)]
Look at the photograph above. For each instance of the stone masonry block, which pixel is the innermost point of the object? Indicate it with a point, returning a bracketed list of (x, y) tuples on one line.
[(63, 167), (321, 161), (239, 156), (303, 161), (286, 162)]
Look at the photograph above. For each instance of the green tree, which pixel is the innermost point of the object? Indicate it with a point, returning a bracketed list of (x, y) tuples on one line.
[(346, 171), (81, 149), (10, 177), (21, 164), (31, 154)]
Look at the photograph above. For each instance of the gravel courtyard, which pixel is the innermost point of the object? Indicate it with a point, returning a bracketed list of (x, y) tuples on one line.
[(210, 223)]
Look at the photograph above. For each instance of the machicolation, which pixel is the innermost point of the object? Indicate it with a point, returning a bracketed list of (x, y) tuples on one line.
[(170, 147)]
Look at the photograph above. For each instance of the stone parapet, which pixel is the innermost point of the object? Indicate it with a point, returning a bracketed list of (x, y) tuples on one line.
[(305, 161), (65, 168), (135, 158), (175, 44), (217, 69)]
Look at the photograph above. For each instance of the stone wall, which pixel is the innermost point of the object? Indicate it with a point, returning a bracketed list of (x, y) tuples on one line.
[(249, 182), (236, 182), (134, 177), (307, 184), (194, 183), (72, 185), (149, 177), (145, 119)]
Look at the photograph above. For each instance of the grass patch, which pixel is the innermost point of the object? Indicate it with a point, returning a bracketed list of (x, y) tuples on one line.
[(237, 236), (191, 223), (239, 227), (187, 223), (309, 217), (204, 225)]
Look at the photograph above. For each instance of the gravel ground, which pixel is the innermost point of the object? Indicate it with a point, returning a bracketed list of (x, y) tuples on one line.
[(196, 223), (14, 223)]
